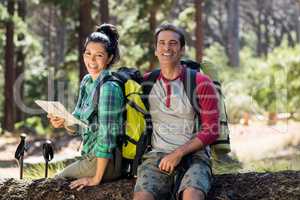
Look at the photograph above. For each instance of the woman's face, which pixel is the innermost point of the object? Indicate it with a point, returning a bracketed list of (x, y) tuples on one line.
[(95, 58)]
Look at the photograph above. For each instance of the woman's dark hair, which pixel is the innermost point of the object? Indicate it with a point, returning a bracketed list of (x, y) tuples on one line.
[(170, 27), (107, 35)]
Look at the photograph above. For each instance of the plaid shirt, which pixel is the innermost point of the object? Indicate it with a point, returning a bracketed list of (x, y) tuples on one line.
[(101, 140)]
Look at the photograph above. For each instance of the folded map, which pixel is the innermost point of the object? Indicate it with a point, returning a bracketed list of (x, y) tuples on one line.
[(56, 109)]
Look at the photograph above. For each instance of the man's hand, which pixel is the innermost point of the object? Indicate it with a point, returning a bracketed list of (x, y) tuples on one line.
[(83, 182), (56, 122), (170, 161)]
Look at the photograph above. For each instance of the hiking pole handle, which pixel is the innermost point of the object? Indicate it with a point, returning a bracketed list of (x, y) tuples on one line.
[(47, 154), (19, 154)]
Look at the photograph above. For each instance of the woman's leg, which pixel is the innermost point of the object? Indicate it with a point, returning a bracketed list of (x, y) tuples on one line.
[(87, 167)]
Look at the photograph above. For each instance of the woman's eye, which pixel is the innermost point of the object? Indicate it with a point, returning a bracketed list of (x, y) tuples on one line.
[(99, 56)]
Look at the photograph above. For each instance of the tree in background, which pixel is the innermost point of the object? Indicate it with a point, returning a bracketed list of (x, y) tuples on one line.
[(20, 59), (10, 72), (199, 30), (84, 29), (104, 11), (233, 43)]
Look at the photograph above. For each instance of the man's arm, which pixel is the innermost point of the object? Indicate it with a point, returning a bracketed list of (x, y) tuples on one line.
[(209, 115)]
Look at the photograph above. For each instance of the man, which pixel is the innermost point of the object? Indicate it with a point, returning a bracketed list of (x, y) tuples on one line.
[(174, 138)]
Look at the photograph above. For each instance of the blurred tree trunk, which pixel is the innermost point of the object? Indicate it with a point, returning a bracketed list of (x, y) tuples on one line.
[(104, 11), (10, 71), (199, 30), (152, 24), (266, 35), (85, 28), (297, 22), (259, 31), (20, 60), (233, 45), (61, 38)]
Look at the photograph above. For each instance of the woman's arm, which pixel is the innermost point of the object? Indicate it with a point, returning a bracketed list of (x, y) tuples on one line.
[(94, 180)]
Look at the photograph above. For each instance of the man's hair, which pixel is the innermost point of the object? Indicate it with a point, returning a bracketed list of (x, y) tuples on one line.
[(170, 27)]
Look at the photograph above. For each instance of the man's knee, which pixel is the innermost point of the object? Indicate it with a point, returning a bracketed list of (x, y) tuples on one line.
[(193, 193), (143, 196)]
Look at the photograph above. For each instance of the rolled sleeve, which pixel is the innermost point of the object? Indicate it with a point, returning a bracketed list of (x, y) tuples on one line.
[(110, 120), (209, 112)]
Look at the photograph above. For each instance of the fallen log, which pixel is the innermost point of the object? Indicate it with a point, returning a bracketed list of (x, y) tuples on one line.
[(244, 186)]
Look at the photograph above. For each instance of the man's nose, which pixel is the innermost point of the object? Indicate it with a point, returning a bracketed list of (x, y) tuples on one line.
[(166, 47)]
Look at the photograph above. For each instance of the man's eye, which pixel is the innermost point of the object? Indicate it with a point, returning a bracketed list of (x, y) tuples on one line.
[(87, 54), (173, 43)]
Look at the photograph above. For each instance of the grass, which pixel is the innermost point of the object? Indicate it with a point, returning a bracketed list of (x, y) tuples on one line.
[(37, 171), (266, 165)]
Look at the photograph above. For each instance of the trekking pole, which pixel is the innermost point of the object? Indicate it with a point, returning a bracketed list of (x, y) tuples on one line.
[(47, 154), (19, 154)]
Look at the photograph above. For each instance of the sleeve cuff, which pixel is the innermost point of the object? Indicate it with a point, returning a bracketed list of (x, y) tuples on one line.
[(207, 139), (103, 155)]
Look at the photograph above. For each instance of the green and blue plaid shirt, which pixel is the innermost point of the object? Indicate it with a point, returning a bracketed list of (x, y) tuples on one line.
[(101, 140)]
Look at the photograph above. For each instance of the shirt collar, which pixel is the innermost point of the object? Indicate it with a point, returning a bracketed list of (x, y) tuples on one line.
[(101, 76), (180, 76)]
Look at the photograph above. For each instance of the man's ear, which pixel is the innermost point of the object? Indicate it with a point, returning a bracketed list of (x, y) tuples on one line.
[(182, 51)]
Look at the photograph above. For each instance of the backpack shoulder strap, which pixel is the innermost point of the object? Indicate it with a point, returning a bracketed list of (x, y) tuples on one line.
[(147, 86), (190, 87), (97, 94)]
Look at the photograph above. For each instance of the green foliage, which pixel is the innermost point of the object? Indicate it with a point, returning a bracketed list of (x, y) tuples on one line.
[(34, 125), (279, 90), (259, 85)]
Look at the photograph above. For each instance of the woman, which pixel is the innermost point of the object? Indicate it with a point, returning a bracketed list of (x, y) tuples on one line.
[(99, 159)]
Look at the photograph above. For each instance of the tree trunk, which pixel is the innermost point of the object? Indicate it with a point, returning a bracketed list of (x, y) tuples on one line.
[(10, 71), (258, 30), (266, 35), (104, 11), (199, 30), (297, 22), (152, 24), (85, 28), (233, 33), (20, 61), (61, 33), (245, 186)]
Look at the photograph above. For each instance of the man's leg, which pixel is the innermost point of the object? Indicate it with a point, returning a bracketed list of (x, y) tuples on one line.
[(196, 182), (151, 182), (143, 196), (193, 193)]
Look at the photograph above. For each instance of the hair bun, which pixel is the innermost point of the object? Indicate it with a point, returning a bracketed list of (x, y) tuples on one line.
[(109, 30)]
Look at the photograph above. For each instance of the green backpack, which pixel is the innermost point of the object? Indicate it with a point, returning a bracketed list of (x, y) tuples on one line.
[(222, 144)]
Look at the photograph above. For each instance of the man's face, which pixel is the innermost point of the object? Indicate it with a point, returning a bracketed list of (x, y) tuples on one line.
[(168, 49)]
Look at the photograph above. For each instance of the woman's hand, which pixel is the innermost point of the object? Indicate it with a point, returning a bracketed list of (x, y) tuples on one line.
[(56, 122), (83, 182)]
